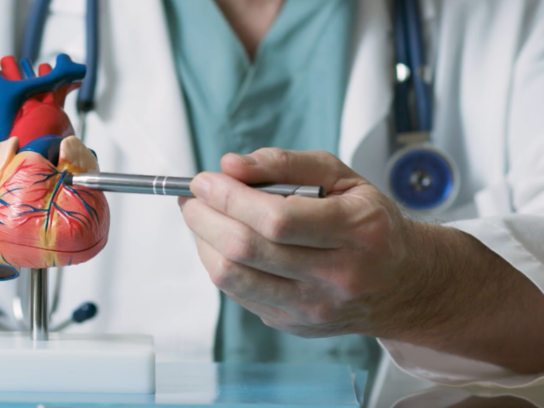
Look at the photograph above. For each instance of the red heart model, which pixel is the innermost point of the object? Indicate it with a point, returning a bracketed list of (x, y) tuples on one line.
[(44, 222)]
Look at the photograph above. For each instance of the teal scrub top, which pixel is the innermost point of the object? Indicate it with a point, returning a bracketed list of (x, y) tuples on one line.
[(290, 96)]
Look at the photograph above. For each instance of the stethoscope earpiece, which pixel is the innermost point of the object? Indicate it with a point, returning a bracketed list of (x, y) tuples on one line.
[(423, 178)]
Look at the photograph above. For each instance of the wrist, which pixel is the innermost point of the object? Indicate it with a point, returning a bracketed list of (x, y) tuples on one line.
[(422, 303), (455, 295), (448, 286)]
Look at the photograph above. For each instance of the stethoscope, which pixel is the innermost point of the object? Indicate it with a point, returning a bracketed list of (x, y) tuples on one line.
[(420, 177), (31, 45)]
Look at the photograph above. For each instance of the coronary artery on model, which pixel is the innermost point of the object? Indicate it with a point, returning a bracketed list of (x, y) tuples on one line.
[(43, 221)]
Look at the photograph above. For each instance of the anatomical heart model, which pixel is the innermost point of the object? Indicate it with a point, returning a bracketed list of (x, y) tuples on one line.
[(44, 222)]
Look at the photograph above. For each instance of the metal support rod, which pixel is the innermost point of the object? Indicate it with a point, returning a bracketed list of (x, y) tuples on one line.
[(39, 328), (56, 292)]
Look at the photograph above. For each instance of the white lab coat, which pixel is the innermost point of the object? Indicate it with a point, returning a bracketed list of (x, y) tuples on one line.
[(489, 88)]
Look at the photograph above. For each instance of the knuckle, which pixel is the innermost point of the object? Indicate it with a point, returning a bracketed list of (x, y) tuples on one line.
[(280, 323), (190, 210), (326, 156), (276, 325), (239, 247), (307, 333), (333, 163), (349, 287), (318, 314), (225, 204), (303, 331), (282, 157), (268, 323), (347, 278), (277, 226), (224, 274)]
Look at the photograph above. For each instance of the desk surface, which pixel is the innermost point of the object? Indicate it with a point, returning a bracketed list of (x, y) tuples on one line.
[(221, 385), (274, 386)]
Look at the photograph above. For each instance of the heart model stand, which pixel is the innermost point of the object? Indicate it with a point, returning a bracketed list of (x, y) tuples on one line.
[(63, 362)]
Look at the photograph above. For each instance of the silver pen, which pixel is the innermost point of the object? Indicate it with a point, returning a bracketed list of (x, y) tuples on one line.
[(171, 186)]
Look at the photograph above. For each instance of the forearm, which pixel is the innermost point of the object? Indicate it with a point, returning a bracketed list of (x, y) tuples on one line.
[(461, 298)]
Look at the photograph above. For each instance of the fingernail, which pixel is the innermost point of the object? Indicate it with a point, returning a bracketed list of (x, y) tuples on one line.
[(201, 186), (247, 159)]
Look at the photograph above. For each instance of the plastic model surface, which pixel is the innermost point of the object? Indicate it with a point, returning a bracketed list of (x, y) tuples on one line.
[(44, 222)]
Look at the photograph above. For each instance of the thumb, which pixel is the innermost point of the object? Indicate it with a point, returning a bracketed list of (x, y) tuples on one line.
[(272, 165)]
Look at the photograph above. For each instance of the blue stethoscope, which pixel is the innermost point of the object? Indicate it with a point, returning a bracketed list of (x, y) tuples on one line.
[(31, 45), (420, 177)]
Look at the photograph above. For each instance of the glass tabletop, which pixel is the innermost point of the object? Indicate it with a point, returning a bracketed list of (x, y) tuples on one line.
[(277, 385), (219, 385)]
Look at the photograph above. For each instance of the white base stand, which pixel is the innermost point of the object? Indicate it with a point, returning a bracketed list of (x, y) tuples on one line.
[(77, 363)]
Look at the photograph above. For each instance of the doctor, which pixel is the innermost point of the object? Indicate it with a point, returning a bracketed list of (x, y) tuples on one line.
[(184, 82)]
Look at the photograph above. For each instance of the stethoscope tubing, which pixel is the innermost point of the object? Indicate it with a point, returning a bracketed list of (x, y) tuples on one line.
[(32, 40), (424, 106), (33, 34), (86, 96), (402, 114), (410, 51)]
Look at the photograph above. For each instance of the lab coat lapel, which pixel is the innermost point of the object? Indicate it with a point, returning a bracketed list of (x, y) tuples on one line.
[(369, 93), (148, 119)]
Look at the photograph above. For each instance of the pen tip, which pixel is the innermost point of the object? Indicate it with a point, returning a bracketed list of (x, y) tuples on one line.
[(68, 179)]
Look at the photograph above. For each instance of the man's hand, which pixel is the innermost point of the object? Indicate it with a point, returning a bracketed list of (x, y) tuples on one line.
[(351, 263), (306, 266)]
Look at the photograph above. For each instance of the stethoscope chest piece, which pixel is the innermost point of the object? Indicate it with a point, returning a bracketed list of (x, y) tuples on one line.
[(422, 178)]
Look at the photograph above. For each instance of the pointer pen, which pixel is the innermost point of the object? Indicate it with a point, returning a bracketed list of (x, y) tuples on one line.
[(171, 186)]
